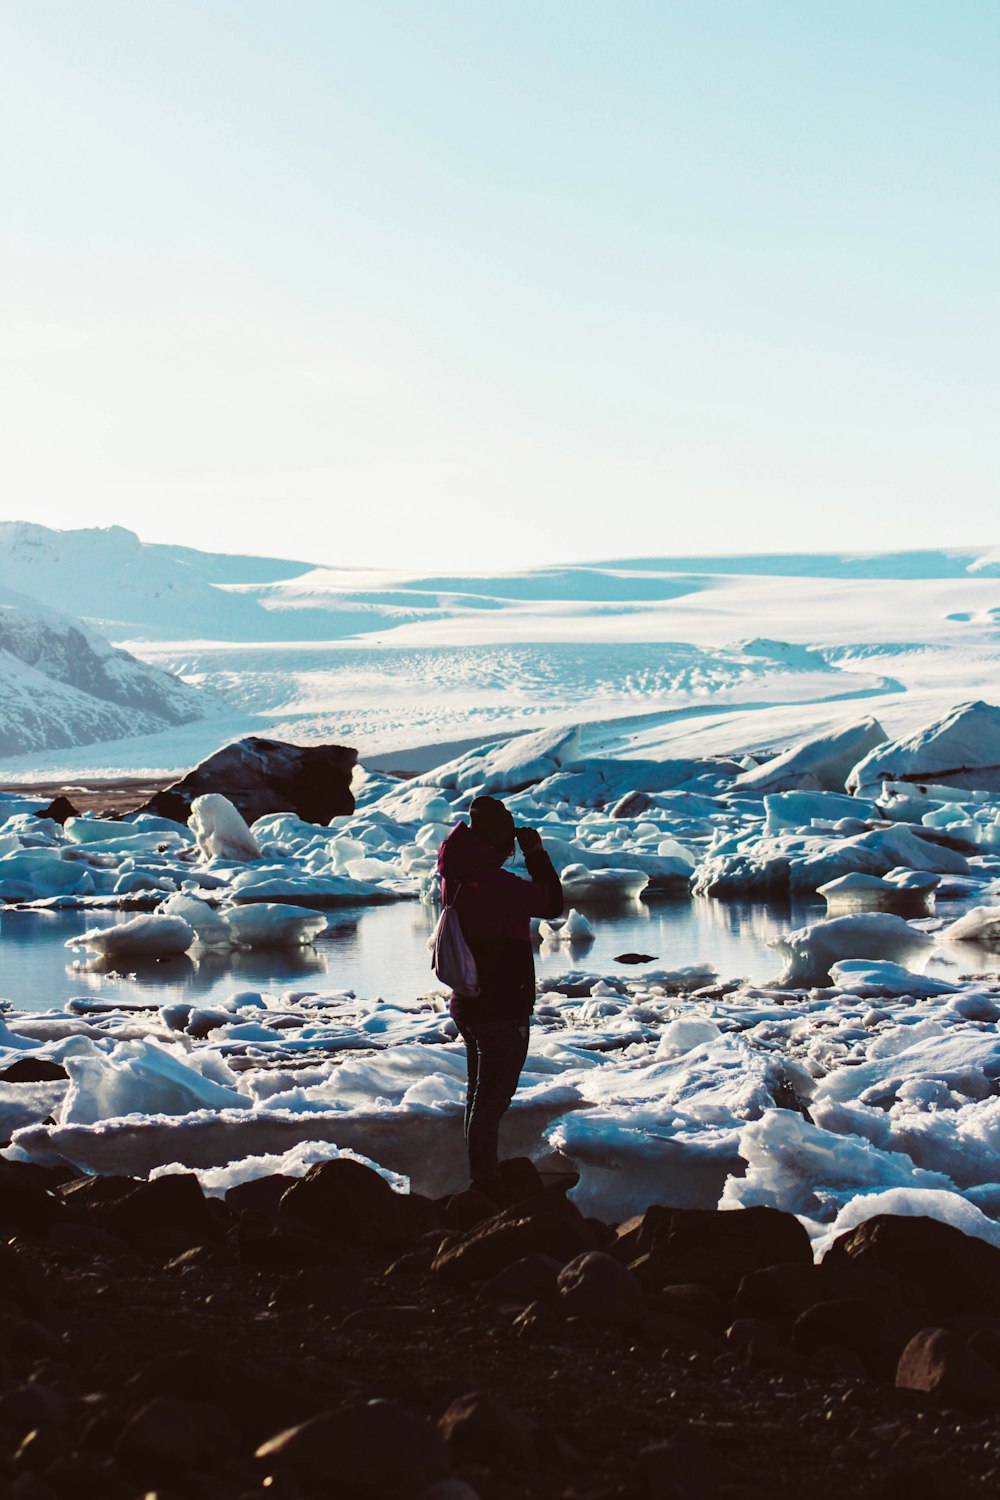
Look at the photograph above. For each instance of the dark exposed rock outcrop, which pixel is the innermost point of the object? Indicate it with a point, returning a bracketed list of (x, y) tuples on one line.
[(265, 776)]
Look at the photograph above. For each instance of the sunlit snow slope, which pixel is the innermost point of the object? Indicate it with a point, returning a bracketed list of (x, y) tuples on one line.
[(654, 655)]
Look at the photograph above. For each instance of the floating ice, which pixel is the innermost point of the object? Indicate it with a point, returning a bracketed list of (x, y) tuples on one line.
[(156, 935), (267, 925), (809, 952), (573, 928), (221, 830), (980, 925), (210, 927), (581, 884)]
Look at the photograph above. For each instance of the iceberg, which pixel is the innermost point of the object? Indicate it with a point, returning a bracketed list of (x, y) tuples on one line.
[(220, 829), (822, 763), (960, 750), (268, 925), (146, 936), (809, 952)]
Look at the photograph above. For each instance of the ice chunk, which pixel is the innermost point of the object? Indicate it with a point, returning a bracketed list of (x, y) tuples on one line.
[(960, 750), (866, 977), (581, 884), (800, 1168), (821, 763), (272, 925), (573, 928), (220, 829), (810, 951), (980, 925), (210, 927), (155, 935), (860, 892), (800, 809), (508, 765), (682, 1035), (138, 1078)]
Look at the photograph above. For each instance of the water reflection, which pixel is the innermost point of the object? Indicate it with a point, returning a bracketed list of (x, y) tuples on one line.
[(382, 951)]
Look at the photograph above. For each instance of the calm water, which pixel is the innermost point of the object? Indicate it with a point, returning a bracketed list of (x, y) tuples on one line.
[(381, 951)]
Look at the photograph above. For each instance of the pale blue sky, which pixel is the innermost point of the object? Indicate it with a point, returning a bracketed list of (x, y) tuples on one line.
[(449, 283)]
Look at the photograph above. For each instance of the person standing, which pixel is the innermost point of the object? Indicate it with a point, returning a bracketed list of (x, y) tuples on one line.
[(494, 908)]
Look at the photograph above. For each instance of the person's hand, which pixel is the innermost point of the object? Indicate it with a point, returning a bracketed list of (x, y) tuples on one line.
[(529, 839)]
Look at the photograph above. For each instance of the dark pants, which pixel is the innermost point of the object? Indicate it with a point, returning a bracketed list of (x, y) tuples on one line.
[(495, 1051)]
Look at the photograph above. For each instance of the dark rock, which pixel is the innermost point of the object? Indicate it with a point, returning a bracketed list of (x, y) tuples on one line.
[(851, 1323), (338, 1290), (253, 1400), (942, 1272), (598, 1288), (414, 1263), (637, 1236), (173, 1434), (267, 776), (59, 809), (632, 805), (719, 1249), (25, 1203), (681, 1469), (172, 1211), (466, 1209), (939, 1363), (634, 958), (261, 1195), (933, 1479), (22, 1281), (697, 1303), (519, 1180), (32, 1405), (349, 1203), (33, 1070), (41, 1446), (778, 1294), (479, 1429), (675, 1334), (370, 1448), (531, 1279), (549, 1225), (270, 1250)]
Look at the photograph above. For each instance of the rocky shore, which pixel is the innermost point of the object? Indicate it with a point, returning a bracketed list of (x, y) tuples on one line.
[(327, 1336)]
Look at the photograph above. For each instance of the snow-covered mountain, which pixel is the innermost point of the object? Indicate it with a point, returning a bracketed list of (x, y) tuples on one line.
[(653, 656), (62, 684)]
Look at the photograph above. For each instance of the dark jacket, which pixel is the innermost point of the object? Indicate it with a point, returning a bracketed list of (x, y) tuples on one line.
[(494, 907)]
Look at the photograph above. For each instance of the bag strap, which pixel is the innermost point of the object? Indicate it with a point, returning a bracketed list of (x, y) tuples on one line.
[(450, 905)]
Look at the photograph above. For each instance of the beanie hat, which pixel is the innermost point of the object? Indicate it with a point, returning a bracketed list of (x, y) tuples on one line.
[(491, 822)]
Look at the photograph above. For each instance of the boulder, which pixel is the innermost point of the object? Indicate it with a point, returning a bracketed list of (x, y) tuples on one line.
[(942, 1272), (600, 1289), (549, 1225), (172, 1434), (25, 1200), (375, 1448), (171, 1209), (479, 1429), (58, 810), (348, 1203), (851, 1323), (266, 776), (531, 1279), (938, 1363), (718, 1249)]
